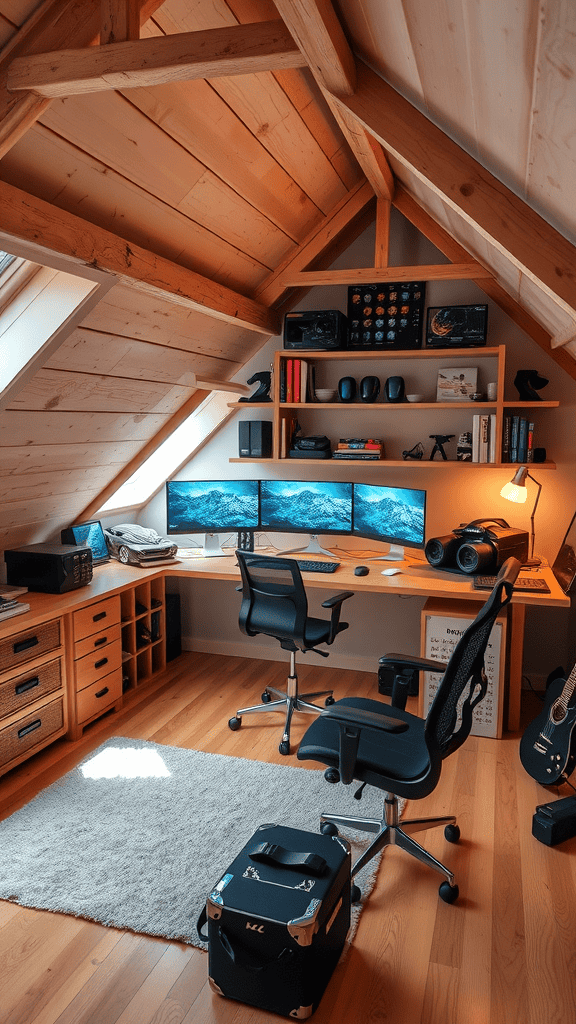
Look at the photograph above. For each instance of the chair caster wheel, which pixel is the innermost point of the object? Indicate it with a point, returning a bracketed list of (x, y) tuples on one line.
[(329, 700), (284, 747), (448, 893), (355, 894), (332, 775), (328, 828), (452, 833), (266, 698), (234, 723)]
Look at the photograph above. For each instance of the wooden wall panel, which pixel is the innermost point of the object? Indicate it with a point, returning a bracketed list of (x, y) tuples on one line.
[(18, 460), (70, 391), (30, 428)]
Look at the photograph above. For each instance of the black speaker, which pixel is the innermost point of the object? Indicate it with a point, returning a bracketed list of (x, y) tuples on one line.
[(394, 389), (173, 627), (255, 439)]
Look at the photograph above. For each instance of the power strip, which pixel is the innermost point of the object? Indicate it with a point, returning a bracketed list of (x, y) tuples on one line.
[(555, 822)]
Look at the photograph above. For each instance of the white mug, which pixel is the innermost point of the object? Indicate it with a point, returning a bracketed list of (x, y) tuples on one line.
[(492, 391)]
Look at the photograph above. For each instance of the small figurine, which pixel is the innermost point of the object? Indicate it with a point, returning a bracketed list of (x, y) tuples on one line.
[(416, 452), (529, 383), (262, 393), (441, 440)]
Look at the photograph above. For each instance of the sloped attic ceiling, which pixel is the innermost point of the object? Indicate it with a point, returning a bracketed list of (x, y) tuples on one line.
[(256, 158)]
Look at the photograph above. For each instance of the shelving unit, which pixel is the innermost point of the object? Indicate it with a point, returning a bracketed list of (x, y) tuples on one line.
[(422, 362), (143, 616)]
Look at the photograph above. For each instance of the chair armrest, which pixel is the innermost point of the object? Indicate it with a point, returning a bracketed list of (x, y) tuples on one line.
[(357, 716), (397, 661), (330, 602)]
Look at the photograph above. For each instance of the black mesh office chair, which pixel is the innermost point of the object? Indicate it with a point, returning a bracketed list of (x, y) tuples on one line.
[(274, 603), (400, 753)]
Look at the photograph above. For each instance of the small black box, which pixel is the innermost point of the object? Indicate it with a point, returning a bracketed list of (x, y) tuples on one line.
[(316, 329), (278, 919), (555, 822), (49, 568), (255, 439)]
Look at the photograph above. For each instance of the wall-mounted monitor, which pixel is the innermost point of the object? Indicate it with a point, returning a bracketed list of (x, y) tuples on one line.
[(89, 535), (211, 507), (306, 506), (393, 514)]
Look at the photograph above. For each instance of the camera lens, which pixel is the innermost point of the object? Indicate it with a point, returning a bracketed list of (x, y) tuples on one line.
[(475, 557), (442, 550)]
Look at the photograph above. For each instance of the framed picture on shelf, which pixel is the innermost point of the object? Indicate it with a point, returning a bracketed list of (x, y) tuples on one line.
[(456, 383)]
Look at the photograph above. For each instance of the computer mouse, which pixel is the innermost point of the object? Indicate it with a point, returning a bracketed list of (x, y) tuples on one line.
[(390, 572), (361, 570)]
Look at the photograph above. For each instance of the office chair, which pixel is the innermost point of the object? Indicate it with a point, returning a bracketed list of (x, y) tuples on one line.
[(274, 603), (400, 753)]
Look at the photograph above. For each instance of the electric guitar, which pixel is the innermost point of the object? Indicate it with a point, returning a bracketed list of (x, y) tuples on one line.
[(548, 746)]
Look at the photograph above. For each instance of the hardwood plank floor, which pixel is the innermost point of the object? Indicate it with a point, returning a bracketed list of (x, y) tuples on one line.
[(503, 953)]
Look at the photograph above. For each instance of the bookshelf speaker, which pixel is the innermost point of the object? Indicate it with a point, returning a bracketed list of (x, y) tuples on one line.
[(255, 439)]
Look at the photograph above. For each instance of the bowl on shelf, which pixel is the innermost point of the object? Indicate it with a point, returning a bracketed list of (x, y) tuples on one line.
[(414, 398), (325, 394)]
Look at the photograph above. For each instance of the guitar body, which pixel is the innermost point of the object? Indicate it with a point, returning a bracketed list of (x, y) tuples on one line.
[(548, 746)]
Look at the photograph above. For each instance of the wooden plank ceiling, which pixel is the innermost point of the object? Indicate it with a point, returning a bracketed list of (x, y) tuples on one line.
[(207, 167)]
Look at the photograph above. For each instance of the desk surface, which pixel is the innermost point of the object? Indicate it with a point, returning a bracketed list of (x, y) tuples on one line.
[(416, 578)]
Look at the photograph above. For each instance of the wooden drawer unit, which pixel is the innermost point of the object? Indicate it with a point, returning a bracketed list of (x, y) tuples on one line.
[(22, 647), (35, 729), (96, 617), (22, 690), (93, 667), (95, 699)]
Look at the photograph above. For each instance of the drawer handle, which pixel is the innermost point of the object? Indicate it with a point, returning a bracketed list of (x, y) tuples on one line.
[(102, 693), (100, 615), (29, 684), (101, 663), (29, 728), (102, 640), (24, 645)]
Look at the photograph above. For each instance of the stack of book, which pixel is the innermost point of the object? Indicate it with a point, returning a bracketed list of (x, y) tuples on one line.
[(11, 606), (296, 380), (484, 437), (364, 449), (517, 439)]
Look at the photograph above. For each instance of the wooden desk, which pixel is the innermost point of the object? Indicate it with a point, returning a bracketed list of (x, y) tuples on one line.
[(108, 611)]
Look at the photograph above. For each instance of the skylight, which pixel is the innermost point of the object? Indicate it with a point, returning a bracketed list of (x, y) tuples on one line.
[(171, 454), (6, 259)]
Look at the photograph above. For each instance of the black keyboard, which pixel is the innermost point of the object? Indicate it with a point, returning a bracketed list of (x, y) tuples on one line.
[(306, 566), (522, 583)]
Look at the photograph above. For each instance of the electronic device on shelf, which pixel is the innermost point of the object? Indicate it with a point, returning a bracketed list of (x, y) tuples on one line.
[(316, 329), (456, 326), (211, 507), (90, 534), (396, 515), (306, 506)]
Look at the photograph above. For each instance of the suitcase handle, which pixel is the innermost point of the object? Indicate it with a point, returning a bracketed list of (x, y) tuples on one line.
[(271, 853)]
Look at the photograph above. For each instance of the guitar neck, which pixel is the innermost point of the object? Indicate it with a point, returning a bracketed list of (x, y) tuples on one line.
[(568, 689)]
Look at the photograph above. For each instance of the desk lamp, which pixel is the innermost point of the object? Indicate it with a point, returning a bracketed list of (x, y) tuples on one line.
[(517, 491)]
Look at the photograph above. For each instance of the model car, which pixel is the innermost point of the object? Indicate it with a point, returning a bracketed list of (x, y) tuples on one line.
[(137, 545)]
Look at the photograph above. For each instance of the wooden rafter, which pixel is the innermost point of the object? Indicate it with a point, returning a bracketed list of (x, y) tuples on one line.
[(213, 53), (319, 34), (120, 20), (442, 272), (55, 24), (47, 230)]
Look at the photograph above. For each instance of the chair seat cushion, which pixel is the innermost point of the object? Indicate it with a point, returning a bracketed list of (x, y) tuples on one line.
[(278, 619), (396, 762)]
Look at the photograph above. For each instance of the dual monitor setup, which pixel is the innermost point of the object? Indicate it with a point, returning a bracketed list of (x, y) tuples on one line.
[(393, 515)]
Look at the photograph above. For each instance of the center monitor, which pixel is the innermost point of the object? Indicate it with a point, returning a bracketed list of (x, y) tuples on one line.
[(211, 507), (306, 506), (393, 514)]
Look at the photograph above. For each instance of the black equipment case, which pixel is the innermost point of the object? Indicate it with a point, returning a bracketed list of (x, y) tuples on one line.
[(278, 919)]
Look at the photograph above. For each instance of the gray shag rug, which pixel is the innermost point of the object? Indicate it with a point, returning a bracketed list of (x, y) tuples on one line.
[(137, 835)]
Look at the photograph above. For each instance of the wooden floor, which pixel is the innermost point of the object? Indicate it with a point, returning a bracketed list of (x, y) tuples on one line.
[(506, 952)]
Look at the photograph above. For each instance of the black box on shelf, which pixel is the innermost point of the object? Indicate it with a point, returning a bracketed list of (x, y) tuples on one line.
[(456, 326), (386, 316), (255, 439), (316, 329)]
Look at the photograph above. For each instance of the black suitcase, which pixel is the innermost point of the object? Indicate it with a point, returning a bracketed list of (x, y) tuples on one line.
[(278, 919)]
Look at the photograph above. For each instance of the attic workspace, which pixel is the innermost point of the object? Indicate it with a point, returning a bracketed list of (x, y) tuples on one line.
[(281, 284)]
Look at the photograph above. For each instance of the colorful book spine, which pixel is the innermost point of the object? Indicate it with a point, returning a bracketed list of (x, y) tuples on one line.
[(492, 438), (522, 440), (514, 426), (506, 439), (289, 380), (296, 381), (530, 445)]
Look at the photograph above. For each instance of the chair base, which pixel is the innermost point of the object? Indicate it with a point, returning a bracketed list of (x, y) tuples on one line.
[(291, 700), (389, 832)]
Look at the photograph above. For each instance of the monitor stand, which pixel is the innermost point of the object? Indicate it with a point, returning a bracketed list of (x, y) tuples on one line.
[(313, 548), (395, 553), (212, 547)]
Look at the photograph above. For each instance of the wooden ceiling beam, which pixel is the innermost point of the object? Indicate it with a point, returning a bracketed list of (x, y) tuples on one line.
[(320, 36), (440, 272), (55, 24), (120, 20), (522, 235), (47, 230), (212, 53)]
